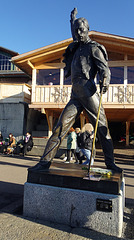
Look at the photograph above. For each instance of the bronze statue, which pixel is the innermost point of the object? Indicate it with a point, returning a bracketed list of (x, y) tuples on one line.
[(84, 58)]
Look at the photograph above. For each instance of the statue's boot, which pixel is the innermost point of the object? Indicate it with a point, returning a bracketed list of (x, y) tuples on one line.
[(114, 168), (41, 166), (109, 155)]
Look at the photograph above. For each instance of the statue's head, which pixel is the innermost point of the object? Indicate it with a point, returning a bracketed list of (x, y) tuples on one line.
[(81, 29)]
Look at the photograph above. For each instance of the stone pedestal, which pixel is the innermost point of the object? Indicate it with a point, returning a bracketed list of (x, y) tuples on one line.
[(102, 212)]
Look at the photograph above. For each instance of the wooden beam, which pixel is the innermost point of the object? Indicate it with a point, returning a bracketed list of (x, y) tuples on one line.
[(53, 52), (122, 63), (30, 64), (49, 115), (82, 120), (127, 133), (128, 45), (47, 105), (49, 66), (131, 118), (118, 105), (41, 65), (49, 59)]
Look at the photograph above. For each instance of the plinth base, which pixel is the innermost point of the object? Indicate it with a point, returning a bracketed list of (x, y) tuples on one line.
[(102, 212), (76, 208), (72, 176)]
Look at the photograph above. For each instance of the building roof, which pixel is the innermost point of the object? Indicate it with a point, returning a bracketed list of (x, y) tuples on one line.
[(47, 54), (12, 53)]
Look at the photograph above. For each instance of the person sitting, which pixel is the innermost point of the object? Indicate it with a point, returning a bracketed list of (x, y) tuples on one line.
[(1, 137), (11, 144), (86, 141), (28, 143), (79, 154), (1, 141)]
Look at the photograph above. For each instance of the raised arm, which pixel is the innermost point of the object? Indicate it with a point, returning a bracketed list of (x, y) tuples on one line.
[(72, 20)]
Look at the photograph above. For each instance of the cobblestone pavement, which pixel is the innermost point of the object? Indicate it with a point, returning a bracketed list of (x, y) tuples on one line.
[(13, 226)]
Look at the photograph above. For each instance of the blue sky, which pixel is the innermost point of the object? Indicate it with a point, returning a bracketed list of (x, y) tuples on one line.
[(30, 24)]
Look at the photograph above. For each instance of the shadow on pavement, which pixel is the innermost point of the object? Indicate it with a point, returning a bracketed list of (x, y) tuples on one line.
[(129, 221), (20, 157), (11, 201), (11, 196), (75, 232), (14, 164)]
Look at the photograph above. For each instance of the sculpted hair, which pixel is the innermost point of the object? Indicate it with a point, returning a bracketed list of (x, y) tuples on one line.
[(83, 20)]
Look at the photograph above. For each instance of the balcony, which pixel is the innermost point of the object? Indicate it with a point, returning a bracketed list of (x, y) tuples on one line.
[(56, 96)]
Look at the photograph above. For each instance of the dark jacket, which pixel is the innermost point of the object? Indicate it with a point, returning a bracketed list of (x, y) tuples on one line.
[(79, 140), (86, 141), (29, 142), (1, 138), (94, 60), (71, 140)]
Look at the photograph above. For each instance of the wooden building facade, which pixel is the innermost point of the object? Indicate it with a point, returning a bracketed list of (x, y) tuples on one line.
[(51, 91)]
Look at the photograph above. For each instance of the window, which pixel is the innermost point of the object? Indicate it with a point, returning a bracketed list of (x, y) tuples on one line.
[(5, 62), (117, 75), (130, 75), (48, 77)]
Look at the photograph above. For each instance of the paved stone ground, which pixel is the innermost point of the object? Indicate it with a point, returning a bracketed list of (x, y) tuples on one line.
[(13, 226)]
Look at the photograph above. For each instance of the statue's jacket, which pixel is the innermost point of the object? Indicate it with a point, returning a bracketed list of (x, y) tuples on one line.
[(84, 61)]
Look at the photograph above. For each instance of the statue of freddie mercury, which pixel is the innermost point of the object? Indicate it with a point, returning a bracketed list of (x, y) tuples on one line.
[(83, 58)]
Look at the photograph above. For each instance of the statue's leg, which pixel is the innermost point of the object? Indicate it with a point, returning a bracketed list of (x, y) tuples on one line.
[(91, 106), (65, 122)]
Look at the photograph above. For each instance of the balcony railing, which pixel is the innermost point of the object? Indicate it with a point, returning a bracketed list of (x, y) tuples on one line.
[(52, 94), (117, 93)]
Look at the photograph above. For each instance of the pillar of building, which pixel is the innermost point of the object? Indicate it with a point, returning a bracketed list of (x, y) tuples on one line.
[(49, 115), (61, 76), (125, 79), (82, 120), (33, 84), (127, 132)]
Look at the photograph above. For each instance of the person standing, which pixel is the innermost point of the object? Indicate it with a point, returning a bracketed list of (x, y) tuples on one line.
[(71, 145), (79, 153)]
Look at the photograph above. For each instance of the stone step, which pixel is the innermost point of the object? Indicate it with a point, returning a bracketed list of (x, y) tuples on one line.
[(39, 150), (39, 146), (36, 151), (38, 141), (39, 133)]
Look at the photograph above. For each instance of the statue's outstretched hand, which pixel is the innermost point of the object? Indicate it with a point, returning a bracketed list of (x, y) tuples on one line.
[(74, 13)]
